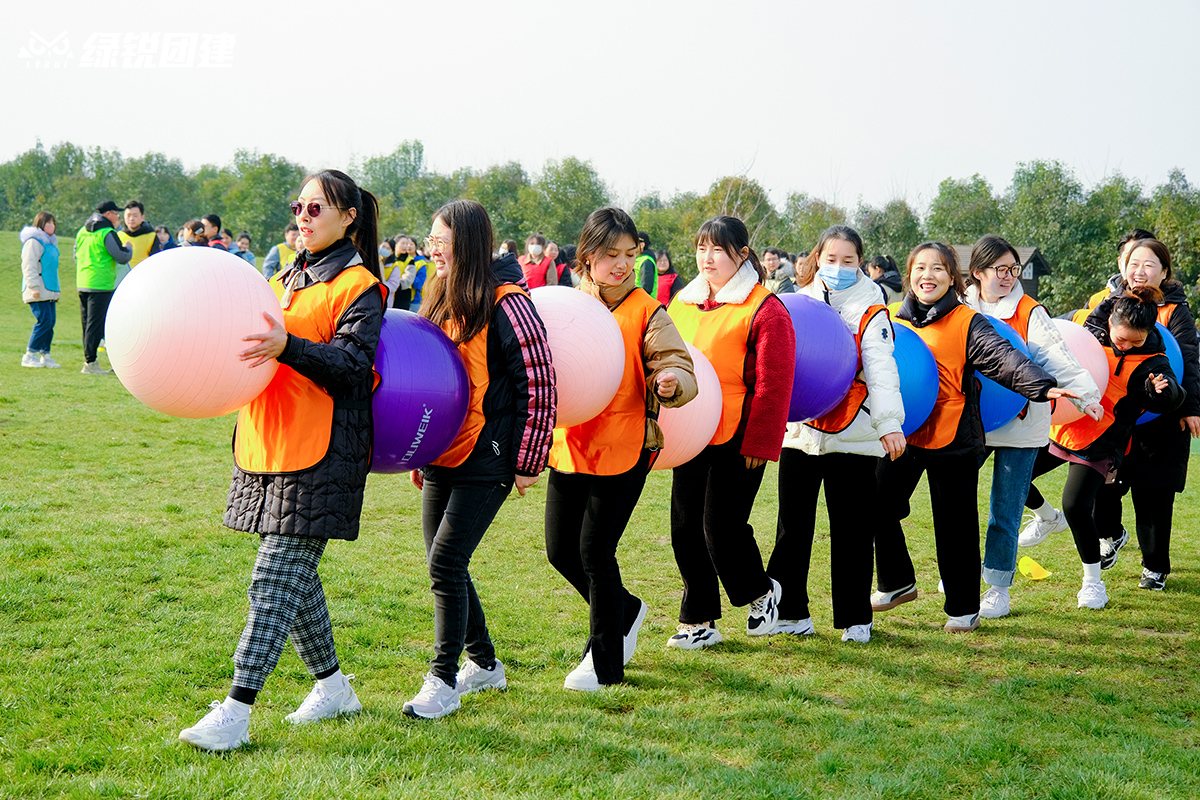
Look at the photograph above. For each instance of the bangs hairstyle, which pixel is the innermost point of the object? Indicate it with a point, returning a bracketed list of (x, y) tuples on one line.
[(604, 227), (812, 262), (468, 294), (948, 258), (43, 219), (1160, 251), (1137, 309), (341, 191), (987, 251), (730, 234)]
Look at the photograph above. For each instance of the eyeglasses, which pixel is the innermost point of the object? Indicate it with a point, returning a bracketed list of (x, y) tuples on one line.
[(433, 243), (314, 209), (1015, 270)]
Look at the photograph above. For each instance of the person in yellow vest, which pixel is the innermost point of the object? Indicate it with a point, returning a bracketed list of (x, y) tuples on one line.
[(839, 449), (995, 290), (504, 440), (598, 468), (302, 450), (138, 234), (746, 333), (1140, 379), (1114, 282), (948, 445), (283, 254)]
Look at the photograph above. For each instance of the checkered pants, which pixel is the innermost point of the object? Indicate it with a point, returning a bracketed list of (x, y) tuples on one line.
[(286, 599)]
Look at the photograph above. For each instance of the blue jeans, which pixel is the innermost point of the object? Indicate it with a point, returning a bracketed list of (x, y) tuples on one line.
[(1012, 470), (45, 313)]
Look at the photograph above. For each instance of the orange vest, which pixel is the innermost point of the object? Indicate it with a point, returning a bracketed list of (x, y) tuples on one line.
[(474, 355), (722, 334), (844, 413), (1077, 435), (611, 442), (1164, 313), (947, 339), (287, 428), (1020, 318)]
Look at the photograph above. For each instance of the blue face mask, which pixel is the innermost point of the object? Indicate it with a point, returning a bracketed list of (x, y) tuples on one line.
[(837, 278), (384, 252)]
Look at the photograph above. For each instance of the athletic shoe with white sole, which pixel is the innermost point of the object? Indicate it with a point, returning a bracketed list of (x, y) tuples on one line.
[(323, 703), (964, 624), (694, 637), (1111, 548), (796, 627), (49, 362), (92, 368), (474, 678), (1037, 529), (630, 641), (882, 601), (435, 699), (764, 612), (858, 633), (219, 729), (1093, 595), (995, 603), (583, 678), (1154, 581), (31, 359)]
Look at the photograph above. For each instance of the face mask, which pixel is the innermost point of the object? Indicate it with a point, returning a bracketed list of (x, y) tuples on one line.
[(384, 252), (535, 249), (837, 278)]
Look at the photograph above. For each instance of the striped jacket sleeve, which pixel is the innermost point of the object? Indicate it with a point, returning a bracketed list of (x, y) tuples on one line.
[(527, 357)]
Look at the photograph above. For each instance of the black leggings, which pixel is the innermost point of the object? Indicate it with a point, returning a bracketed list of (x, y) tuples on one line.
[(1079, 502), (1153, 508)]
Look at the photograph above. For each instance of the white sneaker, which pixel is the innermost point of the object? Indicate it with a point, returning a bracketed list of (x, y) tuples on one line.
[(963, 624), (583, 678), (858, 633), (799, 627), (1037, 529), (882, 601), (31, 359), (474, 678), (1093, 595), (693, 637), (435, 699), (322, 704), (764, 612), (219, 729), (994, 603), (92, 368), (630, 640), (47, 361)]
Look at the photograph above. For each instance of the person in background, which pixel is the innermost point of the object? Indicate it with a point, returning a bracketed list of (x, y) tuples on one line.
[(165, 240), (413, 276), (668, 279), (535, 263), (181, 236), (242, 248), (507, 246), (138, 234), (1113, 285), (212, 231), (39, 287), (647, 270), (98, 251), (882, 270), (776, 282), (558, 274), (193, 234), (283, 254), (567, 255)]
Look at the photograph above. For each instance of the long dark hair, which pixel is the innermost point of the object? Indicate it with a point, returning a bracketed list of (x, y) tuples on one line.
[(1136, 309), (987, 250), (341, 191), (812, 262), (603, 228), (730, 234), (468, 294)]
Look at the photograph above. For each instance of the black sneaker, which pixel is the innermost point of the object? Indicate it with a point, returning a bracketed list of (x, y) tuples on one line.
[(1154, 581), (1109, 548)]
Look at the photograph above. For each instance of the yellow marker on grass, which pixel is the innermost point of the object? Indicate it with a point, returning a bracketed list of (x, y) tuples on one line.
[(1032, 569)]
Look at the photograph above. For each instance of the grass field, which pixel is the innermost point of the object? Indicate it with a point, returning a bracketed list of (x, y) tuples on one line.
[(122, 598)]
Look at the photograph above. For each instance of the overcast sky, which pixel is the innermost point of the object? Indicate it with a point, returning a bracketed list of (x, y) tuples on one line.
[(841, 100)]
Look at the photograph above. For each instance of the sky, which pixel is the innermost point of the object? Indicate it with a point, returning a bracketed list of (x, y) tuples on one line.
[(847, 101)]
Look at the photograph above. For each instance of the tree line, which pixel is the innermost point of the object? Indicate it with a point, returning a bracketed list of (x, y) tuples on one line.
[(1044, 206)]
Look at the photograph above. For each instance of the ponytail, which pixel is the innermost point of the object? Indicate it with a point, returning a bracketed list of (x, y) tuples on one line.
[(341, 191), (1136, 309)]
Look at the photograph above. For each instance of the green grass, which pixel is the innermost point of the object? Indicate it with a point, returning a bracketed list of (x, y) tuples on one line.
[(122, 598)]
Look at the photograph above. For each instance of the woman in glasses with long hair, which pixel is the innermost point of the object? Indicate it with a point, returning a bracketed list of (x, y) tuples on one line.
[(302, 451), (505, 441)]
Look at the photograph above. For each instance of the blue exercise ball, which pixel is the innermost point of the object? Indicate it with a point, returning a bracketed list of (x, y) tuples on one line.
[(1174, 355), (999, 406), (918, 378), (826, 358)]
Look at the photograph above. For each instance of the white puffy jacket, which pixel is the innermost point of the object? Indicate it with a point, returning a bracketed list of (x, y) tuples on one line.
[(1049, 351), (883, 411)]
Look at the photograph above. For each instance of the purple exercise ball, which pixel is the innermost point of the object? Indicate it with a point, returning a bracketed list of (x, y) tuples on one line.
[(826, 358), (423, 393)]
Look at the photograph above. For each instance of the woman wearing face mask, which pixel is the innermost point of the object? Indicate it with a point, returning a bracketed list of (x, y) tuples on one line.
[(598, 468), (996, 290), (535, 263), (948, 445), (747, 336), (839, 449), (1140, 379)]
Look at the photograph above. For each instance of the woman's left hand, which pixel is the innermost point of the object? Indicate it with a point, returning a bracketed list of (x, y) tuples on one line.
[(754, 463), (1191, 425), (893, 445), (270, 343), (666, 384), (1095, 411), (1056, 393)]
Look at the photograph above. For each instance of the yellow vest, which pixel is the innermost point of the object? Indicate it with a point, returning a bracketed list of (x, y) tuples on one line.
[(141, 245), (286, 255)]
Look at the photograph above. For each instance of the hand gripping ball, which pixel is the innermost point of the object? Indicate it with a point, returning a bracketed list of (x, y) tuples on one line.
[(999, 406), (918, 378), (175, 326), (689, 428), (423, 393), (1175, 356), (826, 358), (587, 348), (1090, 355)]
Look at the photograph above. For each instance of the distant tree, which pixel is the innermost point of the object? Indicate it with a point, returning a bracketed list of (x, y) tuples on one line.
[(672, 226), (804, 218), (257, 201), (161, 184), (744, 198), (964, 210), (893, 230), (558, 200), (386, 176), (1174, 216), (498, 189), (423, 196)]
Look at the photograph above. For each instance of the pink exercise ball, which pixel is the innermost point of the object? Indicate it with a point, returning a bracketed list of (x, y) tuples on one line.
[(688, 429), (1090, 354), (175, 326), (587, 348)]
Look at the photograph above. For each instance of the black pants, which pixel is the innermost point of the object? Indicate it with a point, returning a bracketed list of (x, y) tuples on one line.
[(848, 480), (93, 307), (454, 517), (1078, 502), (711, 499), (953, 495), (585, 517), (1153, 508)]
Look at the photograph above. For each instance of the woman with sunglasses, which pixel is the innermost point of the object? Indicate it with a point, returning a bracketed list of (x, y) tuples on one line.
[(995, 289), (505, 440), (302, 450)]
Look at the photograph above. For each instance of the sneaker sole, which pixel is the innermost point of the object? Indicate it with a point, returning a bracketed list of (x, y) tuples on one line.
[(412, 712), (908, 597), (956, 629), (344, 712), (215, 748), (631, 640), (993, 614)]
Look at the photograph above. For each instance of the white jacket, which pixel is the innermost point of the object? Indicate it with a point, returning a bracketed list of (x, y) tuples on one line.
[(883, 411), (1049, 351)]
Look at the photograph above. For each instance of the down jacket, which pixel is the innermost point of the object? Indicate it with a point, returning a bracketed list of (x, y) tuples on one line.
[(325, 500), (883, 410)]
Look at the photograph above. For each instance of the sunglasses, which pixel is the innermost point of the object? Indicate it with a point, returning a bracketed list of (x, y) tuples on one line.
[(314, 209)]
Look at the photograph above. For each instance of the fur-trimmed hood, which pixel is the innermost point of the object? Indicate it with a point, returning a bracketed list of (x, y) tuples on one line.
[(736, 291)]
